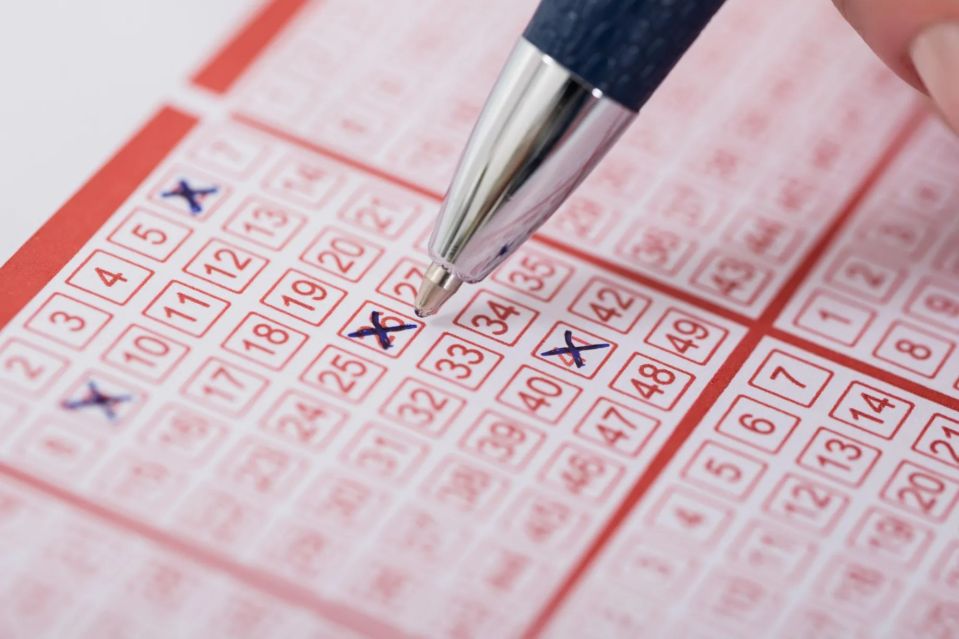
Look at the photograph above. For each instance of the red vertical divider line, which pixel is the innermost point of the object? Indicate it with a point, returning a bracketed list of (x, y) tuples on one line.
[(43, 255), (229, 63), (250, 576), (720, 381)]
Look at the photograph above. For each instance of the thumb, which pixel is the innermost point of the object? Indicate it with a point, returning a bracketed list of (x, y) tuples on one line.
[(919, 40)]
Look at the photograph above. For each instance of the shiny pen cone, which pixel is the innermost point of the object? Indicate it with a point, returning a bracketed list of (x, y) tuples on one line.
[(437, 287)]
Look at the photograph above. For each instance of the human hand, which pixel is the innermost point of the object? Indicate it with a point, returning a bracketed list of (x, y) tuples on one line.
[(919, 40)]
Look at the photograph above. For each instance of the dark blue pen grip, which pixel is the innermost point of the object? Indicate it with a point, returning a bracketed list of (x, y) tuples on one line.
[(623, 47)]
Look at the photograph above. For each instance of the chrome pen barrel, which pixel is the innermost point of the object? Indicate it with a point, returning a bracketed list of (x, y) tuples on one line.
[(541, 132)]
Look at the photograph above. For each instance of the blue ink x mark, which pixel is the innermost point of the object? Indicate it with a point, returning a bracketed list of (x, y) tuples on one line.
[(97, 398), (380, 331), (194, 197), (573, 350)]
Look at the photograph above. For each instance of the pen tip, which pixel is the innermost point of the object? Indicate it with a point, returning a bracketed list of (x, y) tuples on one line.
[(438, 286)]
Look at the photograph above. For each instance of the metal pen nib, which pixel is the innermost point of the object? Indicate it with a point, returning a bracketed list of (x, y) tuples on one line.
[(437, 287)]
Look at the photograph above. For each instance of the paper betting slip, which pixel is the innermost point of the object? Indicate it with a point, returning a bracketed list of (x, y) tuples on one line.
[(716, 396)]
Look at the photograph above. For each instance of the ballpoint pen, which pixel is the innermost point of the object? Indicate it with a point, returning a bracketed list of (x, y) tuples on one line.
[(572, 84)]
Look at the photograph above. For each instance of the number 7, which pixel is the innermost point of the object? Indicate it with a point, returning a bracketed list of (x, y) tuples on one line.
[(779, 370)]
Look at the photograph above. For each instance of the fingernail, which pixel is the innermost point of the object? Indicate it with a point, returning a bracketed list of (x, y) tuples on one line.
[(935, 54)]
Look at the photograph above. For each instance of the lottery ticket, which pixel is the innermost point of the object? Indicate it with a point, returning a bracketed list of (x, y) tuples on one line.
[(717, 395)]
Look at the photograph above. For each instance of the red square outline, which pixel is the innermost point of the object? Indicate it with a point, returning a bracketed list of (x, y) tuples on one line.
[(162, 378), (372, 364), (419, 364), (827, 529), (832, 411), (602, 280), (764, 271), (748, 489), (212, 407), (726, 519), (596, 442), (724, 334), (819, 292), (126, 219), (816, 471), (923, 432), (99, 311), (176, 173), (500, 298), (860, 524), (308, 277), (523, 463), (914, 297), (301, 221), (892, 327), (349, 327), (542, 475), (561, 382), (692, 378), (443, 427), (945, 479), (729, 410), (799, 359), (230, 247), (223, 344), (192, 288), (378, 253), (577, 332), (64, 365)]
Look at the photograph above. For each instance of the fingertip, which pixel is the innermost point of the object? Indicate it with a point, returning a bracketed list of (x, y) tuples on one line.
[(934, 54)]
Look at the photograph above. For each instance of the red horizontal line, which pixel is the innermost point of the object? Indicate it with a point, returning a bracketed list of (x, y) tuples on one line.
[(255, 578)]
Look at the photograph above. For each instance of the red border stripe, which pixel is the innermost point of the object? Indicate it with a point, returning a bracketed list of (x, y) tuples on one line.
[(229, 63), (69, 229)]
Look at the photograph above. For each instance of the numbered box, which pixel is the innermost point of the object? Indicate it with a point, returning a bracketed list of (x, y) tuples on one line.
[(183, 436), (872, 410), (459, 361), (189, 192), (834, 318), (260, 470), (581, 473), (109, 277), (218, 517), (136, 483), (28, 368), (914, 349), (584, 218), (342, 504), (341, 254), (535, 393), (464, 487), (862, 590), (686, 336), (791, 378), (303, 181), (186, 309), (542, 521), (864, 278), (891, 233), (535, 274), (616, 427), (264, 223), (920, 491), (611, 305), (659, 250), (765, 237), (381, 329), (422, 407), (682, 515), (939, 440), (682, 200), (946, 570), (757, 424), (226, 266), (772, 553), (722, 470), (381, 210), (419, 536), (652, 569), (223, 387), (403, 281), (303, 297), (496, 317), (100, 399), (927, 614), (302, 421), (734, 601), (385, 454), (838, 457), (652, 381), (574, 350), (68, 321), (502, 441), (145, 354), (731, 278), (936, 304), (890, 539), (149, 235), (806, 504), (264, 341), (57, 449), (342, 374), (229, 152)]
